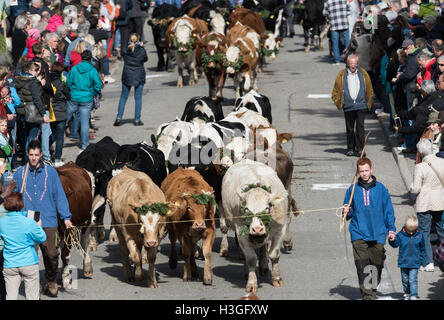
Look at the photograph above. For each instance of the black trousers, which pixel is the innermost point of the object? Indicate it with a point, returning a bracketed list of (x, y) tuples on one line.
[(124, 38), (355, 137), (136, 26)]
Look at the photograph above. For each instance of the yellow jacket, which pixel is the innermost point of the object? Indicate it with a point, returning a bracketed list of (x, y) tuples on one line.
[(337, 94)]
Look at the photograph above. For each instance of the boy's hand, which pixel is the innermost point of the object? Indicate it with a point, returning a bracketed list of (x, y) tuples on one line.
[(346, 210)]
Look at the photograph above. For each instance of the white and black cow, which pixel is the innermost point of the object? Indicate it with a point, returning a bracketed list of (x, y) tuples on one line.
[(313, 22), (255, 102), (203, 109), (161, 18)]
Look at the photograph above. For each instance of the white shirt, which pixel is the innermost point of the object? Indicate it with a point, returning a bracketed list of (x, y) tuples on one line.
[(353, 84)]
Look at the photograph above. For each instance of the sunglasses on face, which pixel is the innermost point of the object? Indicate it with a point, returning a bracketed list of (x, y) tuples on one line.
[(441, 64)]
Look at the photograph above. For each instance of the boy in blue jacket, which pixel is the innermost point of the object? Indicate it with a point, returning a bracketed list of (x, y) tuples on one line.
[(372, 220), (411, 256)]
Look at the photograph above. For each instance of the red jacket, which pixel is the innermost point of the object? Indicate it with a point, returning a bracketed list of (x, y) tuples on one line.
[(428, 72)]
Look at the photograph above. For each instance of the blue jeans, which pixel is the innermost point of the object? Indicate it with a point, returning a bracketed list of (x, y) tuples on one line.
[(72, 112), (336, 37), (57, 136), (410, 281), (32, 130), (46, 133), (83, 112), (425, 220), (138, 91)]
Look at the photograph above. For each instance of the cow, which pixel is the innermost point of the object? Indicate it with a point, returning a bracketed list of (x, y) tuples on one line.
[(191, 220), (172, 134), (139, 209), (189, 5), (253, 203), (269, 40), (250, 118), (159, 22), (141, 157), (98, 160), (241, 64), (255, 102), (313, 22), (210, 54), (78, 187), (203, 109), (182, 34)]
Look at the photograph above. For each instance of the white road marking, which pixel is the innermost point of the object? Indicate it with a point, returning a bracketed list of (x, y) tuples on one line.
[(328, 186), (156, 76), (318, 96)]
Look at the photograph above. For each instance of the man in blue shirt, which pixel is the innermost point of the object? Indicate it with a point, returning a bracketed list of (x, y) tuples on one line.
[(43, 192), (372, 220)]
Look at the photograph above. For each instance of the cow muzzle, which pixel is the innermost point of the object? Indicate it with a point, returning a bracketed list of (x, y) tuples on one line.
[(258, 230), (211, 64), (198, 225), (151, 243), (230, 70)]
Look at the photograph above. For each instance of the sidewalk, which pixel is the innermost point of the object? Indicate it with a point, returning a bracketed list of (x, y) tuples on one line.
[(405, 162)]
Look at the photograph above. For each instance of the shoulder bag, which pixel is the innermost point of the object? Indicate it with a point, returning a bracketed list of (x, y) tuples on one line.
[(32, 114)]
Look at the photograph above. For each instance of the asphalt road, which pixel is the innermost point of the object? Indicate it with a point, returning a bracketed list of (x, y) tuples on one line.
[(317, 268)]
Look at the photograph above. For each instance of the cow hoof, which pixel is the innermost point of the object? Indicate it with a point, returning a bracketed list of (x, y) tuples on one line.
[(278, 282), (144, 260), (196, 254), (113, 236), (192, 83), (263, 271), (223, 253), (88, 275), (208, 281), (288, 245), (307, 49), (224, 229), (152, 285), (251, 287), (259, 70), (92, 247), (179, 85), (256, 89), (101, 234)]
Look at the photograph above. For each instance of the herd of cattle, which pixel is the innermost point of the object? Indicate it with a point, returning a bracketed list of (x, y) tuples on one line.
[(218, 40), (200, 168)]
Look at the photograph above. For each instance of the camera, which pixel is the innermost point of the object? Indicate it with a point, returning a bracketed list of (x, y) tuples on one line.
[(358, 30), (36, 216)]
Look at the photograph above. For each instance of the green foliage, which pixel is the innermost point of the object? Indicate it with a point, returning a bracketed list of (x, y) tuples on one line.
[(268, 53), (188, 46), (264, 14), (160, 208), (204, 199), (256, 185), (248, 216), (235, 65), (216, 58)]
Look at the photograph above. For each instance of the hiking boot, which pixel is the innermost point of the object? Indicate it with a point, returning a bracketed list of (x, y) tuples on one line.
[(117, 123), (138, 123), (349, 153)]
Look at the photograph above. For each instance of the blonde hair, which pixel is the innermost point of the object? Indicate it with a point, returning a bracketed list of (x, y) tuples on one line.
[(411, 223), (80, 46), (133, 39)]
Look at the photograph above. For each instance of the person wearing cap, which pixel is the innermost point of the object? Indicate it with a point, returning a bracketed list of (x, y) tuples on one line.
[(429, 204)]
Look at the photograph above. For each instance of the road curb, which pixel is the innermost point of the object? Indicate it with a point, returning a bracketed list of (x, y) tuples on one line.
[(398, 156)]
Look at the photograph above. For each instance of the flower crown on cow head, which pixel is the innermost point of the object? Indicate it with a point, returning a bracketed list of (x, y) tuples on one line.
[(161, 208)]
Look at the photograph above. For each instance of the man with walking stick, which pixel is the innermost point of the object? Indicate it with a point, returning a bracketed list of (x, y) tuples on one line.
[(369, 207)]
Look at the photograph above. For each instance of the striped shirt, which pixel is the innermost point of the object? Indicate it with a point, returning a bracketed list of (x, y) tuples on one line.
[(337, 12)]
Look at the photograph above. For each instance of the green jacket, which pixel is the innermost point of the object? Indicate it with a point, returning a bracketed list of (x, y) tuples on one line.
[(7, 149), (427, 9), (84, 82)]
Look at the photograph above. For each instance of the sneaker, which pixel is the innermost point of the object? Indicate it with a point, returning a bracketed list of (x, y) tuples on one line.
[(350, 153), (48, 162), (406, 296), (109, 79), (117, 123), (380, 110), (400, 149), (429, 268), (138, 123), (58, 163), (92, 136), (81, 150), (413, 298)]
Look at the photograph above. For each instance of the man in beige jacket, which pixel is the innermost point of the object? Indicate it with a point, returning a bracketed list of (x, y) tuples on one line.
[(428, 184)]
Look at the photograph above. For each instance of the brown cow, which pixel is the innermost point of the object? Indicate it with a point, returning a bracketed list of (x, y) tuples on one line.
[(139, 205), (194, 202), (182, 35), (209, 54), (79, 191)]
